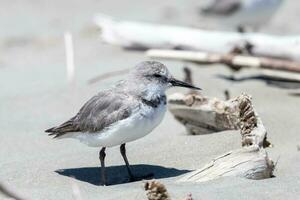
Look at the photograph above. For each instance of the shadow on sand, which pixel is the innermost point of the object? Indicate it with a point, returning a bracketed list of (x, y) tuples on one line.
[(274, 82), (118, 174)]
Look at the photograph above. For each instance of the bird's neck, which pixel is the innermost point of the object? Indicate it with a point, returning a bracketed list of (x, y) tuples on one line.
[(154, 98), (153, 92), (149, 92)]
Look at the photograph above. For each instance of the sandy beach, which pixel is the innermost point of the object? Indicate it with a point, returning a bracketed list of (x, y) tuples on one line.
[(35, 95)]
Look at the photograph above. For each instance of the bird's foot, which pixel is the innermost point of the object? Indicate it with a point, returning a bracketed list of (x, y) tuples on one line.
[(103, 183)]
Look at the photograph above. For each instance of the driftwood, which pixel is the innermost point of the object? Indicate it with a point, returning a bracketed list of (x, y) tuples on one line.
[(158, 191), (230, 59), (150, 36), (248, 162), (202, 115)]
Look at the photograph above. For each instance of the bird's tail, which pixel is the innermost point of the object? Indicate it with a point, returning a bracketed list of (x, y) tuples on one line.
[(63, 129)]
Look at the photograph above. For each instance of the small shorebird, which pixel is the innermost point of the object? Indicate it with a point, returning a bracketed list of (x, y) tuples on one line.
[(128, 111)]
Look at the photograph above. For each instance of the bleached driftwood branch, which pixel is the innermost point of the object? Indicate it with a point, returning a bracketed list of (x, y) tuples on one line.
[(230, 59), (248, 162), (202, 115), (138, 35), (199, 113)]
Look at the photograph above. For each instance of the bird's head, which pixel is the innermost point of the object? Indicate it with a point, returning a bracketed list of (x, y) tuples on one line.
[(156, 75)]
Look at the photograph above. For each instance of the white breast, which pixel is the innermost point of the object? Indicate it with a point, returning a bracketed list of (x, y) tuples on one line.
[(142, 121)]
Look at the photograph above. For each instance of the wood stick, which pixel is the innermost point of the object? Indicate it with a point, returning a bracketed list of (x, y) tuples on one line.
[(69, 57), (230, 59), (140, 35)]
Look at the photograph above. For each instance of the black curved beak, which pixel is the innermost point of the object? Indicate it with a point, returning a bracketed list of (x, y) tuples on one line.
[(175, 82)]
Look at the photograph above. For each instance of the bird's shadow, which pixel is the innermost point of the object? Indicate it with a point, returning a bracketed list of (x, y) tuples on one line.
[(118, 174)]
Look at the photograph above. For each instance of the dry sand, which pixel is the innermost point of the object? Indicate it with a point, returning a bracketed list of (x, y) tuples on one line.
[(35, 95)]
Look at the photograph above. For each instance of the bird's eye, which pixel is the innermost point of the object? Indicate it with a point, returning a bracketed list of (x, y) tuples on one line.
[(157, 75)]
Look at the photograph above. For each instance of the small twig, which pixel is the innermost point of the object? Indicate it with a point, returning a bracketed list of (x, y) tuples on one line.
[(104, 76), (227, 94), (187, 75), (188, 78), (69, 57)]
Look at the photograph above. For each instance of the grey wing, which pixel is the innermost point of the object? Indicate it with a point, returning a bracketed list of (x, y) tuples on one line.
[(223, 7), (103, 110), (98, 113)]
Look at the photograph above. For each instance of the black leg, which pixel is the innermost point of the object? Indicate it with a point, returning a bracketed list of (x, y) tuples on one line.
[(102, 157), (123, 153)]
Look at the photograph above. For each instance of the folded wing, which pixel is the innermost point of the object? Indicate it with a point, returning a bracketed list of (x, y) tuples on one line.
[(100, 112)]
